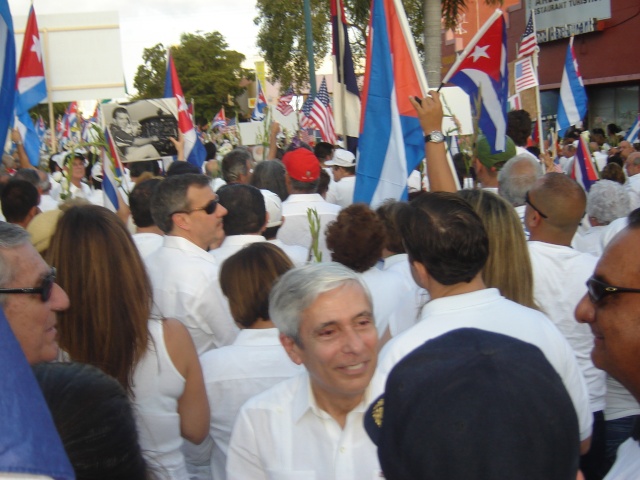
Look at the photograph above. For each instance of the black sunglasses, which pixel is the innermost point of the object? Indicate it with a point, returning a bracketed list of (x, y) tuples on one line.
[(526, 199), (209, 208), (44, 289), (598, 289)]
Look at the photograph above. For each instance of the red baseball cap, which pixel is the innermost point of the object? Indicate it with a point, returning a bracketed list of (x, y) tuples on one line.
[(302, 165)]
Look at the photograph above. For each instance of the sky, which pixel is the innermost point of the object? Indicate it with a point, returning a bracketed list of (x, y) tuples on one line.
[(144, 23)]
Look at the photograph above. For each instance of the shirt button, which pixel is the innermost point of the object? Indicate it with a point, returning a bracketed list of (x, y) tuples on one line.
[(342, 449)]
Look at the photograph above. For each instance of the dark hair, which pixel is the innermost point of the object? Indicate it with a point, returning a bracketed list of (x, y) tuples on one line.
[(246, 279), (234, 164), (171, 195), (613, 171), (461, 162), (271, 175), (356, 238), (323, 182), (246, 209), (305, 187), (388, 213), (18, 198), (211, 150), (94, 419), (119, 110), (181, 168), (615, 158), (442, 232), (28, 175), (519, 126), (140, 202), (322, 150)]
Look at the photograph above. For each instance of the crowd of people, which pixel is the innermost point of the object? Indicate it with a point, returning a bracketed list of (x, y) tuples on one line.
[(247, 320)]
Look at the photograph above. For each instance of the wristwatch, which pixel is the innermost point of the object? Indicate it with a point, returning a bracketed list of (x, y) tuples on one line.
[(434, 137)]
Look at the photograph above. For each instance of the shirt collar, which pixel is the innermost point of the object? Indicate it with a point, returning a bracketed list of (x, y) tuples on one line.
[(303, 197), (462, 301), (182, 244), (241, 240), (258, 336)]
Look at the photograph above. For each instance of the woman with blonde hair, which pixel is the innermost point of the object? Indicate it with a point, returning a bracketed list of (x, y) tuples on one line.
[(508, 267), (109, 325)]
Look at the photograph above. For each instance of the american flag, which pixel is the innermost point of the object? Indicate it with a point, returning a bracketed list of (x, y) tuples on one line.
[(528, 42), (322, 114), (306, 121), (284, 103), (524, 74)]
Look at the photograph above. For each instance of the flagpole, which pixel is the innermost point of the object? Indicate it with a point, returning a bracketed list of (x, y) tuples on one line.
[(535, 67), (342, 85), (54, 140)]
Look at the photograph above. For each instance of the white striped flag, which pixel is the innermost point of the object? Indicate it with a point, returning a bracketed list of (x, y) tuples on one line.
[(306, 121), (515, 102), (632, 133), (572, 106), (528, 42), (525, 76), (322, 114), (7, 68), (111, 174), (583, 170), (219, 120), (284, 103)]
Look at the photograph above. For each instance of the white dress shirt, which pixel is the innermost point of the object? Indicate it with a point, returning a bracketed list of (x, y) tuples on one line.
[(283, 434), (186, 287), (633, 191), (295, 230), (296, 253), (488, 310), (255, 362), (147, 243), (341, 192), (233, 244), (559, 277)]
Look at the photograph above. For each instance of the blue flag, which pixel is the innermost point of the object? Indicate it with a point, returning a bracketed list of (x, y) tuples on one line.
[(8, 69), (572, 106)]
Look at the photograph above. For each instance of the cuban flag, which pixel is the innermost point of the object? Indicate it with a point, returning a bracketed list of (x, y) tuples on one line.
[(194, 151), (261, 103), (112, 174), (481, 71), (7, 69), (219, 120), (30, 88), (572, 106), (583, 170), (29, 443), (41, 128), (391, 142), (346, 96), (632, 133)]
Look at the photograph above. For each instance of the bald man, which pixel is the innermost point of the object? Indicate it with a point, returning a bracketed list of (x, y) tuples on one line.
[(632, 166), (554, 207)]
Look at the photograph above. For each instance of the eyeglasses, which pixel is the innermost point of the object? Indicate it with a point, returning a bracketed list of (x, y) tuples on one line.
[(45, 288), (209, 208), (598, 289), (527, 201)]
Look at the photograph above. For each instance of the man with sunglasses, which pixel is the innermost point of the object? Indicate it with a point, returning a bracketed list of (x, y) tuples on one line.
[(29, 295), (611, 309), (554, 207), (183, 274)]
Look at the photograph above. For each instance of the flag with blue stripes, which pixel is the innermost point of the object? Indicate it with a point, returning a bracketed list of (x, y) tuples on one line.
[(572, 106), (583, 170), (7, 69), (632, 133)]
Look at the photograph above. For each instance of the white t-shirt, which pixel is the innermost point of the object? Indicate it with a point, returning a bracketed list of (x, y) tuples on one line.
[(590, 241), (283, 434), (233, 244), (559, 283), (341, 192), (147, 243), (488, 310), (255, 362)]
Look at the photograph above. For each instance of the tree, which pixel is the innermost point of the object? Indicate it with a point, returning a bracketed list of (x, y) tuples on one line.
[(207, 69)]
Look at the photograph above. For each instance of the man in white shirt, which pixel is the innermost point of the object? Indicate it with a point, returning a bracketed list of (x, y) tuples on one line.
[(341, 189), (303, 173), (611, 309), (148, 237), (632, 166), (311, 426), (555, 206), (448, 247), (183, 274)]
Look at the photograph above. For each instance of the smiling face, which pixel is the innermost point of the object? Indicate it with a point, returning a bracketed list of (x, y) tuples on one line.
[(32, 320), (338, 345), (615, 319)]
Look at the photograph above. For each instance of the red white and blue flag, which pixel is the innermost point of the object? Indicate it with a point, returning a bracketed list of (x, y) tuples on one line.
[(322, 114), (261, 103), (111, 174), (194, 151), (572, 106), (346, 96), (525, 75), (219, 120), (41, 128), (30, 88), (583, 170), (391, 142), (7, 69), (632, 133), (305, 120), (528, 42), (284, 103), (481, 71)]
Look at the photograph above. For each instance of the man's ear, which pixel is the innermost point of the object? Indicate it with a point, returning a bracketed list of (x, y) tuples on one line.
[(292, 348), (420, 274), (181, 221)]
